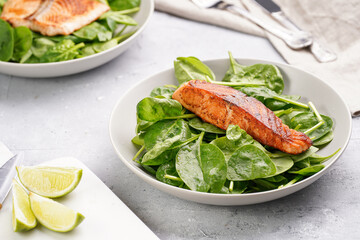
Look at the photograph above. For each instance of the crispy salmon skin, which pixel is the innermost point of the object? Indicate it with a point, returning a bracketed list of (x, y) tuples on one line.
[(53, 17), (222, 106)]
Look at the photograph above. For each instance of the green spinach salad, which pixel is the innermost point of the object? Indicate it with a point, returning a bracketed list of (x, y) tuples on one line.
[(21, 45), (181, 150)]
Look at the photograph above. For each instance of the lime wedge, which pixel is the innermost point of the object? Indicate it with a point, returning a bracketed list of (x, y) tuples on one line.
[(54, 215), (23, 218), (49, 182)]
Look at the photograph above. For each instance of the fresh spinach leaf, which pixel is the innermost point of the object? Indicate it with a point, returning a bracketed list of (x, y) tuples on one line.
[(22, 42), (274, 104), (62, 51), (303, 163), (213, 166), (41, 46), (263, 94), (164, 157), (138, 140), (103, 46), (277, 179), (317, 159), (258, 74), (238, 137), (165, 92), (309, 170), (61, 38), (235, 133), (6, 41), (161, 137), (167, 168), (308, 120), (292, 181), (190, 68), (224, 190), (92, 48), (248, 163), (30, 58), (94, 31), (239, 187), (118, 5), (88, 50), (189, 168), (154, 109), (208, 137), (142, 125), (198, 124), (26, 56), (282, 165), (158, 131), (265, 185), (307, 153), (328, 137), (113, 18), (227, 146), (149, 169)]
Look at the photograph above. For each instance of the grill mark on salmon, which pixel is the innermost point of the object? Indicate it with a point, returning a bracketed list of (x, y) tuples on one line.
[(53, 17), (222, 105)]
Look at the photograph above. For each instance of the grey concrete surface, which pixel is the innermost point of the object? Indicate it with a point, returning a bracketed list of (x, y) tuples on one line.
[(68, 116)]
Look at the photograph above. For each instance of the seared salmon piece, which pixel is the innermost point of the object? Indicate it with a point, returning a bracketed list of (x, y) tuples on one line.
[(65, 16), (222, 105), (16, 12), (53, 17)]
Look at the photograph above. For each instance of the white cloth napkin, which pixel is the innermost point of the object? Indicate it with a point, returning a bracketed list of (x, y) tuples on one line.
[(334, 23)]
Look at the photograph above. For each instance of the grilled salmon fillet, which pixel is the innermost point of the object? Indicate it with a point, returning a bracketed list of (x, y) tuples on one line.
[(16, 12), (53, 17), (222, 105)]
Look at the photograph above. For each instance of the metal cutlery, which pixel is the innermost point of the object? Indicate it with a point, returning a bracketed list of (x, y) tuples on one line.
[(319, 51), (7, 173), (294, 39)]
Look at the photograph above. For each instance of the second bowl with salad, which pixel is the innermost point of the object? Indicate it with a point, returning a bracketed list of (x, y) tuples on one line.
[(26, 52)]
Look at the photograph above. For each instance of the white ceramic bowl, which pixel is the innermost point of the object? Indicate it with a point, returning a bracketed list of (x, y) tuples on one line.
[(298, 82), (44, 70)]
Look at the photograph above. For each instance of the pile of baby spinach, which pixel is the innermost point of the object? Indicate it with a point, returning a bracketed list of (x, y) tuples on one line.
[(21, 45), (179, 149)]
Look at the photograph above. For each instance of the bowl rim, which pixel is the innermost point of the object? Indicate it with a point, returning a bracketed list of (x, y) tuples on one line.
[(140, 173), (149, 13)]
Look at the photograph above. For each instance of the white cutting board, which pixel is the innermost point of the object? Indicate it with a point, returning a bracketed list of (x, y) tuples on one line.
[(106, 216)]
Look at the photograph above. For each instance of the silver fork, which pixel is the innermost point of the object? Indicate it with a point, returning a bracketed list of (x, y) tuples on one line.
[(321, 53), (295, 40)]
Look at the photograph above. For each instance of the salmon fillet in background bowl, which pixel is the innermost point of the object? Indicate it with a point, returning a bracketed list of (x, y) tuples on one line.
[(51, 18), (39, 20)]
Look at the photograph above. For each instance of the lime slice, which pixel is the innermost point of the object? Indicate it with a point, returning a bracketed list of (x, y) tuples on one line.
[(23, 218), (49, 182), (54, 215)]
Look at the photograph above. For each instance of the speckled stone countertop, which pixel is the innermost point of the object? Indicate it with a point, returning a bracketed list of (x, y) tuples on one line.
[(68, 116)]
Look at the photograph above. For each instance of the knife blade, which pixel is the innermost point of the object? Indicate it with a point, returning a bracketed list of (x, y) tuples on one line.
[(7, 173), (275, 11), (5, 154), (269, 5), (321, 53)]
